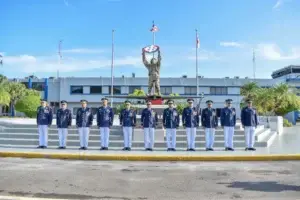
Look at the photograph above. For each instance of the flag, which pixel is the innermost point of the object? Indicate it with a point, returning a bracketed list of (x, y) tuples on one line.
[(197, 42), (154, 28)]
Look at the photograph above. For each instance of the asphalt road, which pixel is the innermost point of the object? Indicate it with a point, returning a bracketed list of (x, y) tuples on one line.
[(149, 180)]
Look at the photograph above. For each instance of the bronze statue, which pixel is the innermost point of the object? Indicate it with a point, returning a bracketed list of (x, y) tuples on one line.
[(154, 71)]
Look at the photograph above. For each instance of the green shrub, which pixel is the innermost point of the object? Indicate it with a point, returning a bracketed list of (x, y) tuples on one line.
[(28, 105), (286, 123)]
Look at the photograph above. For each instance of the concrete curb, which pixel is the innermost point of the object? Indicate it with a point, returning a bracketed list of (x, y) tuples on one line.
[(123, 157)]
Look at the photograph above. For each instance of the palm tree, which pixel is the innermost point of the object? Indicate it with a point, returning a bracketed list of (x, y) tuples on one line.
[(138, 92), (249, 90)]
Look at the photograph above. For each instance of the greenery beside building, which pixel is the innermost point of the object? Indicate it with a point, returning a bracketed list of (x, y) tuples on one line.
[(17, 96)]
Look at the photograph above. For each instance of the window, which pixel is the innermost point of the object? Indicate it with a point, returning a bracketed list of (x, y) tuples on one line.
[(95, 90), (117, 89), (166, 90), (296, 70), (37, 86), (76, 89), (132, 88), (218, 90), (94, 111), (75, 109), (190, 91)]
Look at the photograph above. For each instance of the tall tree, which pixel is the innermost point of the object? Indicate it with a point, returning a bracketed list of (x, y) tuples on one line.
[(277, 100), (17, 91), (4, 95)]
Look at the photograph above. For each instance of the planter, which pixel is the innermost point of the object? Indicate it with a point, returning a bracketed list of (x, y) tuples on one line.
[(276, 124)]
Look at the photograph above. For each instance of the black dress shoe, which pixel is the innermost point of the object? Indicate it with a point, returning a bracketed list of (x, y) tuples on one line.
[(226, 148), (124, 149), (173, 149), (105, 148), (230, 149), (207, 149), (188, 149), (169, 149), (39, 147), (64, 147), (146, 149), (252, 149), (60, 147), (128, 149), (150, 149), (81, 148), (102, 148), (246, 149), (85, 148), (211, 149), (192, 149), (44, 147)]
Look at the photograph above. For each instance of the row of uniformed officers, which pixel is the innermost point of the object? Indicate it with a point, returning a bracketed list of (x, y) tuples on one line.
[(149, 120)]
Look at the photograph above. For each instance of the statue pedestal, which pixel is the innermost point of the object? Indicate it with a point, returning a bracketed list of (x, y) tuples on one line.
[(157, 101)]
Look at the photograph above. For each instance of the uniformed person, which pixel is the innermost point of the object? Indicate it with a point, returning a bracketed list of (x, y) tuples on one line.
[(190, 121), (63, 122), (170, 123), (228, 122), (209, 122), (84, 120), (149, 120), (249, 123), (127, 121), (44, 120), (105, 118)]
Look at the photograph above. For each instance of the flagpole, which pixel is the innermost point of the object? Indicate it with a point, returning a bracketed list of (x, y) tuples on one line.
[(197, 93), (59, 57), (1, 64), (254, 65), (153, 36), (112, 71)]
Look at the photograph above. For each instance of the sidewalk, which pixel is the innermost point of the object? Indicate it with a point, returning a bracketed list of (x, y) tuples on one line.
[(284, 147)]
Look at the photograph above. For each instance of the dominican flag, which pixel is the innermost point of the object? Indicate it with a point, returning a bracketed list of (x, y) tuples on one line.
[(154, 28), (197, 42)]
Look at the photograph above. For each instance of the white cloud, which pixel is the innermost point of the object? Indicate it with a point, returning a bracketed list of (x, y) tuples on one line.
[(22, 59), (278, 4), (30, 64), (273, 52), (204, 55), (230, 44), (83, 51)]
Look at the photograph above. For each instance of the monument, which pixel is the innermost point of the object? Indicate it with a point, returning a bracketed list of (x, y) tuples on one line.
[(151, 57), (154, 69)]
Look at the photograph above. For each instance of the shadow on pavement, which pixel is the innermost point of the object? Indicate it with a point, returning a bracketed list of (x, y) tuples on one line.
[(265, 186)]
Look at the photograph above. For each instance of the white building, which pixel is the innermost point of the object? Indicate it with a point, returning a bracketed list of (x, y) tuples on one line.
[(73, 89)]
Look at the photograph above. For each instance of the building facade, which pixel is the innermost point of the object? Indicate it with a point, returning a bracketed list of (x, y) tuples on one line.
[(73, 89)]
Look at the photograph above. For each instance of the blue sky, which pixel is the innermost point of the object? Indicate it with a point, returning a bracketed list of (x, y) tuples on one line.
[(228, 31)]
